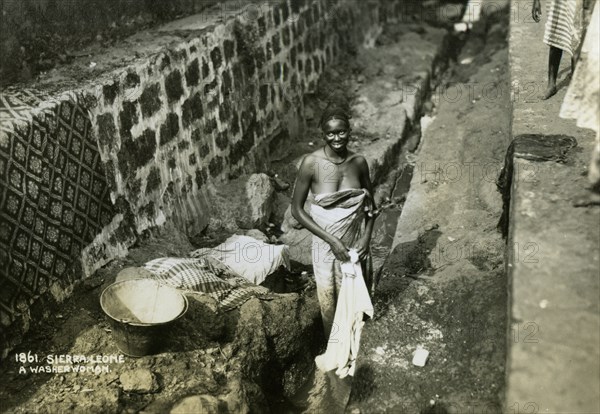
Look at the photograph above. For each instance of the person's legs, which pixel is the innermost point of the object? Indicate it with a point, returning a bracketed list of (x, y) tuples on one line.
[(554, 57)]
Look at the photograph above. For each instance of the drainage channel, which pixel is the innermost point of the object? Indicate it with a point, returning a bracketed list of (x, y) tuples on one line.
[(430, 297), (325, 392)]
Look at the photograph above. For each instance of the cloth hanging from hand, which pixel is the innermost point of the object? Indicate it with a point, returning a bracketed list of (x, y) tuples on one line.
[(353, 304)]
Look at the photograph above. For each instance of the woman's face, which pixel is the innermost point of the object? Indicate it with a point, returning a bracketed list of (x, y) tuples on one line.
[(336, 134)]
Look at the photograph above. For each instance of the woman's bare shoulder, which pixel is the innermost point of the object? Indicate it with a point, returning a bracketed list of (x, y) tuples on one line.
[(309, 158), (355, 157), (313, 157), (308, 162)]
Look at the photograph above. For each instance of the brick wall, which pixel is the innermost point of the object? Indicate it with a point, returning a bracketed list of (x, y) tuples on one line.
[(146, 146)]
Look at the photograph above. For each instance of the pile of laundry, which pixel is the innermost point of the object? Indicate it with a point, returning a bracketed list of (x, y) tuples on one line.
[(230, 273)]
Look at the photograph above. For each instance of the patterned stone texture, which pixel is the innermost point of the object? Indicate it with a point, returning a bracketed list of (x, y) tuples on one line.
[(55, 200), (160, 135)]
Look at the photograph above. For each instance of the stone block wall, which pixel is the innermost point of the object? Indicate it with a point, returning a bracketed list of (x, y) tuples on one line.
[(200, 114), (38, 34), (146, 145)]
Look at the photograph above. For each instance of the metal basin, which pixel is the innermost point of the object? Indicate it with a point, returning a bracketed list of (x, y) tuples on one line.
[(140, 312)]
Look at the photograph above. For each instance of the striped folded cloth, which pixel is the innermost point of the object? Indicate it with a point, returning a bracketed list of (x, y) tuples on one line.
[(564, 25), (206, 275)]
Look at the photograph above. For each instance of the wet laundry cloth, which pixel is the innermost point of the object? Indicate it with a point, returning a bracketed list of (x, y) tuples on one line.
[(248, 257), (564, 25), (353, 304), (207, 276), (341, 214)]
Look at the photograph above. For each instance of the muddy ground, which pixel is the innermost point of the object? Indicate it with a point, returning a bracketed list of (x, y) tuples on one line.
[(455, 310)]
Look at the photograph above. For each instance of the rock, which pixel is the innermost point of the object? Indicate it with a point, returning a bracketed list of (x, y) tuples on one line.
[(133, 273), (260, 193), (105, 399), (235, 400), (300, 245), (280, 185), (280, 206), (205, 404), (451, 13), (243, 203), (208, 321), (92, 282), (427, 107), (257, 234), (289, 222), (140, 381)]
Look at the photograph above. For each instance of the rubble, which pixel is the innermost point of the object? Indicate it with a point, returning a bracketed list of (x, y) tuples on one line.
[(206, 404), (140, 381)]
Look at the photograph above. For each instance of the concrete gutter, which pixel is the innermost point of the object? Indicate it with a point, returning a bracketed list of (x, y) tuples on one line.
[(553, 248)]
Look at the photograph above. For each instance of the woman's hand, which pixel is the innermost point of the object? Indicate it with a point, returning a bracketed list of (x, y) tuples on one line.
[(536, 11), (362, 247), (340, 251)]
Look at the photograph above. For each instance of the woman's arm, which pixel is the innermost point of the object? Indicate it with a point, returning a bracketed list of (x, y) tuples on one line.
[(301, 188), (536, 10)]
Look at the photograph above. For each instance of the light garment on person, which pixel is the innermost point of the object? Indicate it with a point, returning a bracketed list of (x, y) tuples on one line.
[(564, 25), (341, 214)]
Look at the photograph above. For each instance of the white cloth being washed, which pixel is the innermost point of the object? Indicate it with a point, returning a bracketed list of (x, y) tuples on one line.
[(353, 303), (252, 259)]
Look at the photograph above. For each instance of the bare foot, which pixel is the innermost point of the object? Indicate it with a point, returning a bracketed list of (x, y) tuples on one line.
[(551, 91)]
